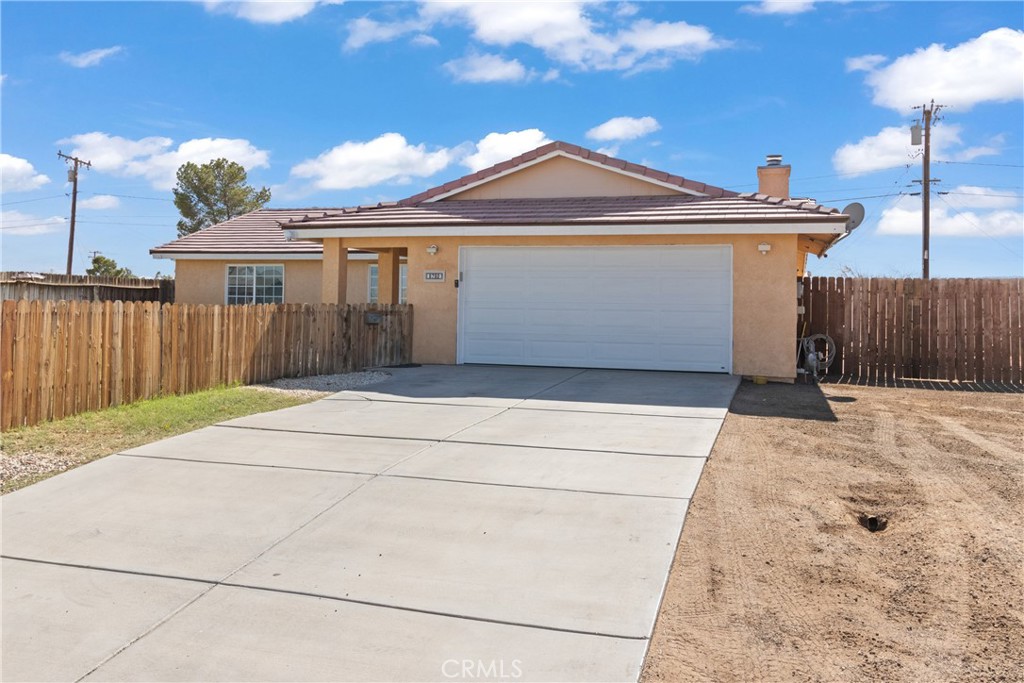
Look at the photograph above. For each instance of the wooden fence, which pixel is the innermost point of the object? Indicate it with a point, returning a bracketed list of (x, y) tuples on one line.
[(886, 329), (62, 358), (53, 287)]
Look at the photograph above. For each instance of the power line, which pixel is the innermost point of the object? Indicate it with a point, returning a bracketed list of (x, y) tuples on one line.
[(984, 194), (978, 163), (870, 196), (39, 199), (978, 227), (132, 196), (143, 225), (34, 221), (896, 192), (153, 215), (813, 177), (34, 225)]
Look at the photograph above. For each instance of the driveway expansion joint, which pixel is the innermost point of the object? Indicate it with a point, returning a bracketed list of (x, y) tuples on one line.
[(384, 474), (214, 583)]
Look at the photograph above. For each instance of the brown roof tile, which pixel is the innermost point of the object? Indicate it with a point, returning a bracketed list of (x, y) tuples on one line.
[(252, 233), (673, 209)]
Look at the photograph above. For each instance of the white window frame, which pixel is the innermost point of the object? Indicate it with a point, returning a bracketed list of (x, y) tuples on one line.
[(373, 288), (227, 282)]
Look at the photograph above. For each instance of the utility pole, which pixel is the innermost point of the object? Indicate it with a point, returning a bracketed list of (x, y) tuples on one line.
[(73, 177), (929, 112)]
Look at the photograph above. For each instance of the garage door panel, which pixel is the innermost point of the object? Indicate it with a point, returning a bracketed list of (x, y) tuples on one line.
[(495, 350), (609, 307)]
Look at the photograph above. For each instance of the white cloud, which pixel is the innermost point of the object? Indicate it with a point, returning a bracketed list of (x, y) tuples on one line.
[(551, 75), (497, 147), (3, 78), (985, 69), (425, 40), (477, 68), (18, 175), (387, 158), (904, 218), (564, 31), (265, 11), (779, 7), (364, 31), (891, 148), (647, 44), (626, 9), (971, 153), (90, 58), (155, 158), (975, 197), (18, 223), (623, 128), (865, 62), (100, 201)]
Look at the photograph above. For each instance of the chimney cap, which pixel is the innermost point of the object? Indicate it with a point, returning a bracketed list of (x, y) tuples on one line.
[(773, 159)]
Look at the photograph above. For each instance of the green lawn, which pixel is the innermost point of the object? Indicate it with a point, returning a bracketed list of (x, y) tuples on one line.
[(31, 454)]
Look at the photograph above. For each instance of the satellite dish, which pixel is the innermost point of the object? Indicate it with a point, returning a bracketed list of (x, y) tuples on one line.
[(856, 213)]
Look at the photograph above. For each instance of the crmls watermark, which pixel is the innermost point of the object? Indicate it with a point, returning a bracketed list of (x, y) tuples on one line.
[(474, 669)]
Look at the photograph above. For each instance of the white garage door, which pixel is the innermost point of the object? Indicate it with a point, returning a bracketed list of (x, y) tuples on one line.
[(647, 308)]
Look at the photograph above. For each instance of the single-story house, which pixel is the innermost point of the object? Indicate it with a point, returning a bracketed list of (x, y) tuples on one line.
[(559, 257)]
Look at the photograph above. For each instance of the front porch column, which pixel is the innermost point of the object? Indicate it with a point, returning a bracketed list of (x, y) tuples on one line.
[(334, 272), (388, 266)]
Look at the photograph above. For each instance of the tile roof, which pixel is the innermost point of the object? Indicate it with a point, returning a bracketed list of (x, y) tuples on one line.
[(260, 231), (252, 233), (576, 211), (570, 150)]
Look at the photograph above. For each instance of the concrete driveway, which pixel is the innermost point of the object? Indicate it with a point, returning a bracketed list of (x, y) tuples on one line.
[(451, 523)]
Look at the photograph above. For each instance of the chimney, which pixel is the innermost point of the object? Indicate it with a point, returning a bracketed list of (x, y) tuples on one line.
[(773, 177)]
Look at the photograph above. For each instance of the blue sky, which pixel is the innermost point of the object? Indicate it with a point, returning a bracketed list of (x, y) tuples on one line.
[(335, 104)]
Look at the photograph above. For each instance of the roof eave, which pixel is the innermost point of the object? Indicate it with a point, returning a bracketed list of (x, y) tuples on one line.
[(825, 225), (311, 255)]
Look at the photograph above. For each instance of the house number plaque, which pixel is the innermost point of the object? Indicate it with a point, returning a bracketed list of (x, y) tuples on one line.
[(433, 276)]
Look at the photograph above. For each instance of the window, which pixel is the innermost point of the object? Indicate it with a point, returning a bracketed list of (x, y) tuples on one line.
[(403, 281), (255, 285)]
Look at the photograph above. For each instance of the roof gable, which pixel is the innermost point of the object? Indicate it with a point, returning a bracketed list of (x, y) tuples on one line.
[(559, 175), (552, 150)]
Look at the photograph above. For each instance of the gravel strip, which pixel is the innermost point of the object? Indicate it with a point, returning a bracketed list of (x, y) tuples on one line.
[(24, 464), (322, 385)]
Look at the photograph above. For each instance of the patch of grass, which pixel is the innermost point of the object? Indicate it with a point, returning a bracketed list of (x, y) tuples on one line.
[(31, 454)]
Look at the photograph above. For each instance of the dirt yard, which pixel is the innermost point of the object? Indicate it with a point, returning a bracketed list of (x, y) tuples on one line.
[(777, 580)]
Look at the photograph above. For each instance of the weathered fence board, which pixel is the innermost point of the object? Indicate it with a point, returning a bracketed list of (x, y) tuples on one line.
[(54, 287), (946, 329), (62, 358)]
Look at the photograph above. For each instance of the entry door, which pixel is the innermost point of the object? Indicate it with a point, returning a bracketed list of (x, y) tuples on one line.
[(645, 308)]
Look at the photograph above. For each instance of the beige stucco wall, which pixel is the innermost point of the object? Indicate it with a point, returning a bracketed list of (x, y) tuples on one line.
[(203, 282), (359, 282), (764, 293), (562, 177)]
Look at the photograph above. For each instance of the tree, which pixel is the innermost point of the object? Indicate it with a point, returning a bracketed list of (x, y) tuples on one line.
[(213, 193), (101, 265)]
